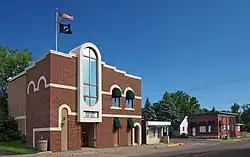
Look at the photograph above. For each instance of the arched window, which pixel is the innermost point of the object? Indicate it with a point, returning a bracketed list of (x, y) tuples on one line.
[(130, 96), (116, 97), (90, 76)]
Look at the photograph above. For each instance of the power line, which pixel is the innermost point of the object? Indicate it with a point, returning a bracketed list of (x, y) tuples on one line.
[(240, 79)]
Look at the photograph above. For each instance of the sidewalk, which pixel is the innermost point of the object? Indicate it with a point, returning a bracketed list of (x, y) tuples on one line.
[(118, 152)]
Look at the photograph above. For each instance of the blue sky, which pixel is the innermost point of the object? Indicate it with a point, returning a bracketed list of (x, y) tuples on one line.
[(171, 44)]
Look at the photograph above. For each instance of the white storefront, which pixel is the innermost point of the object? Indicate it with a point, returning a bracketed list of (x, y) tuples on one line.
[(155, 132)]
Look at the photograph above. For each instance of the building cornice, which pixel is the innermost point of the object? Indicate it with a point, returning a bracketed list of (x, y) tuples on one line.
[(69, 55)]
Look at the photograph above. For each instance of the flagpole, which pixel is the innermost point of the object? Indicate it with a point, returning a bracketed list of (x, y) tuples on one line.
[(56, 29)]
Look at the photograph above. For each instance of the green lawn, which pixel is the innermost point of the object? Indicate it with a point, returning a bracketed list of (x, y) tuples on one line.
[(16, 147)]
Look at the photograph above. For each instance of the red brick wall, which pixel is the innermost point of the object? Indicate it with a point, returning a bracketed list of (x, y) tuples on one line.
[(63, 72), (38, 103), (236, 132), (42, 106), (200, 118), (107, 103), (219, 131), (105, 133), (226, 121), (55, 141), (74, 139), (111, 77)]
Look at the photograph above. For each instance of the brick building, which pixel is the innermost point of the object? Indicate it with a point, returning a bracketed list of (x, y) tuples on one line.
[(213, 125), (76, 100)]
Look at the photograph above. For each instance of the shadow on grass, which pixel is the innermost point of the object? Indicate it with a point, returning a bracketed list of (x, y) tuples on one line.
[(15, 148)]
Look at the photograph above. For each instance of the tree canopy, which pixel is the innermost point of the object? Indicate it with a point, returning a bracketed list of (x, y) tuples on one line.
[(148, 111), (174, 107), (12, 62)]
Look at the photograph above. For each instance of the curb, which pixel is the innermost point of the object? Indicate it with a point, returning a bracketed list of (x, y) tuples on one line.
[(175, 144), (234, 140)]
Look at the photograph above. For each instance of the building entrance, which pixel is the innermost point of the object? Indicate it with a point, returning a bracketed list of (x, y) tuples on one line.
[(88, 134)]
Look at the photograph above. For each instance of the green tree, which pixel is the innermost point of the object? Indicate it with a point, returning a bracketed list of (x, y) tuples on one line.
[(175, 106), (185, 103), (204, 110), (246, 116), (148, 111), (213, 109), (235, 108), (228, 111), (12, 62), (157, 109), (168, 111)]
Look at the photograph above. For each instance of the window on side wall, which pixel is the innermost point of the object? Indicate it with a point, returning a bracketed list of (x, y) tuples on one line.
[(130, 96), (116, 97), (183, 128), (209, 129), (202, 128), (238, 128)]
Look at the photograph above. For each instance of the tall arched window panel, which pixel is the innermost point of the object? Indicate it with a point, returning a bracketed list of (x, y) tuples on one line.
[(90, 77), (130, 96), (116, 97)]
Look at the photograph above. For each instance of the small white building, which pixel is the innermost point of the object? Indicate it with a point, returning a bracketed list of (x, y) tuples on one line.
[(153, 131), (184, 126)]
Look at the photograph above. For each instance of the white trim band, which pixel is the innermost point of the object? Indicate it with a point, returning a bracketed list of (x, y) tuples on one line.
[(62, 86), (121, 116), (20, 117)]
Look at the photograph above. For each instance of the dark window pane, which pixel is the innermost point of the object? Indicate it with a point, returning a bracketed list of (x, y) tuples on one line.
[(93, 91), (86, 70), (93, 70)]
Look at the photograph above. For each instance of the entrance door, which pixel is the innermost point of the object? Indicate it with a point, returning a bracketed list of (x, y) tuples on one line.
[(64, 132), (88, 135), (84, 137), (193, 131)]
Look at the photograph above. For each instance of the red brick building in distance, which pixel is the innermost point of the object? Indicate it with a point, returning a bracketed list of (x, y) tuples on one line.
[(213, 125), (76, 100)]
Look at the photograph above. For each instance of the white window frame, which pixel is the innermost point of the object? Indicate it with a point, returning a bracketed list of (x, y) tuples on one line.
[(202, 129), (209, 128), (238, 128)]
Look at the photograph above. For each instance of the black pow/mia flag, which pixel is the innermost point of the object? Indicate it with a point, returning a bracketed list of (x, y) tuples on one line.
[(65, 28)]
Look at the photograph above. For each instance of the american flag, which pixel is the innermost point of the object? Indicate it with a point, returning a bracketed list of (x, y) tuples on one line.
[(63, 16)]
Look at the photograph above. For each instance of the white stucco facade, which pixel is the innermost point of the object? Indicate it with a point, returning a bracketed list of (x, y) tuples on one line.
[(184, 126), (155, 131), (86, 112)]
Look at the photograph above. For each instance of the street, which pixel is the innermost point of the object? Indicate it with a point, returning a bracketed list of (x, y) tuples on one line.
[(192, 148), (223, 149)]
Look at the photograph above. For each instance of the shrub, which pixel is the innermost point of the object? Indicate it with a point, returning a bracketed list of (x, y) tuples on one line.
[(8, 128)]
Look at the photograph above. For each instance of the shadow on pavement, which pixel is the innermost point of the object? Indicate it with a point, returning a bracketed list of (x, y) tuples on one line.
[(243, 152)]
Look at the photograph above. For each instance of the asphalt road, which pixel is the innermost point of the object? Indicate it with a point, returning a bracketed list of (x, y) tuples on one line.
[(222, 153), (227, 149)]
